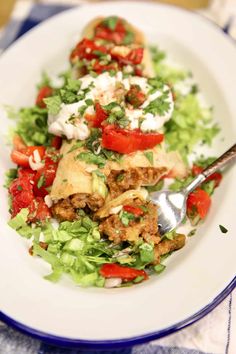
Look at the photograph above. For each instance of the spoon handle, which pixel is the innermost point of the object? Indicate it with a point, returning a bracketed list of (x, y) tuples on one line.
[(224, 159)]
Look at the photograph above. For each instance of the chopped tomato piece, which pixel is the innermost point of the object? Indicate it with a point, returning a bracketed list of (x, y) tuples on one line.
[(26, 172), (114, 270), (40, 212), (196, 170), (18, 142), (87, 49), (44, 177), (45, 91), (99, 68), (56, 142), (133, 210), (138, 71), (135, 96), (22, 200), (127, 141), (115, 35), (198, 202), (21, 157), (134, 57), (96, 119), (20, 184)]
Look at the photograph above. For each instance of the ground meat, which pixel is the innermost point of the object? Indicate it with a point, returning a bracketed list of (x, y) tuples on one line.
[(145, 227), (121, 181), (66, 209), (93, 201), (167, 246)]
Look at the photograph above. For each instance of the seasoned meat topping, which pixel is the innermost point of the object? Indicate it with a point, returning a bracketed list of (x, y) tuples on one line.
[(121, 181), (167, 246), (63, 210), (144, 227), (66, 209)]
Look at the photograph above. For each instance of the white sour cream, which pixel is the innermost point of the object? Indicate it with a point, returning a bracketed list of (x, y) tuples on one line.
[(104, 88)]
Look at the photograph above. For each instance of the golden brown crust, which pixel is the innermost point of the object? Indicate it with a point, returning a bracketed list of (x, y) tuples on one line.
[(167, 246)]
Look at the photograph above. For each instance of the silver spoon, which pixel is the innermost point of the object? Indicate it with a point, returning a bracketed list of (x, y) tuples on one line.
[(172, 205)]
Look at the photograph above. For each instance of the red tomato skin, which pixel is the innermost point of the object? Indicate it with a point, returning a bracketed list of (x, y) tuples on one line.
[(19, 185), (98, 68), (20, 201), (45, 91), (21, 157), (26, 173), (56, 142), (128, 141), (85, 50), (95, 120), (114, 270), (133, 210), (134, 57), (41, 212), (116, 36), (200, 200), (49, 172)]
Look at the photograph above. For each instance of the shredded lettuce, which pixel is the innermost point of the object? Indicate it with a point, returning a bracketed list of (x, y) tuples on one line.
[(191, 123), (19, 220), (31, 125)]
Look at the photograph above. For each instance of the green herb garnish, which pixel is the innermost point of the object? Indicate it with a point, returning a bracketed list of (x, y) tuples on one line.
[(223, 229)]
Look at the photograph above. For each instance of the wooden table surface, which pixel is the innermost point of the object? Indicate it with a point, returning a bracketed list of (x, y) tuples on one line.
[(6, 6)]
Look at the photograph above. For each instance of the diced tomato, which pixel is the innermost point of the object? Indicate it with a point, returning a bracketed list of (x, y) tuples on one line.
[(116, 35), (18, 142), (99, 68), (86, 49), (100, 115), (127, 141), (138, 71), (198, 201), (26, 172), (134, 57), (21, 157), (45, 91), (216, 177), (56, 142), (22, 200), (133, 210), (20, 184), (135, 96), (47, 175), (40, 212), (114, 270)]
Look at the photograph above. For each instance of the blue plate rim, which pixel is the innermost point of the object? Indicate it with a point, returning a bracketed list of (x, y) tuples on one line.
[(132, 341), (118, 343)]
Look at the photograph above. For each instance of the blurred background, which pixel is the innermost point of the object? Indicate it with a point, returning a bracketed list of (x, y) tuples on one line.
[(7, 6)]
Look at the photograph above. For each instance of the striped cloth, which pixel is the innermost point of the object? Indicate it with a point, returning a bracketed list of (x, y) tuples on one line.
[(215, 333)]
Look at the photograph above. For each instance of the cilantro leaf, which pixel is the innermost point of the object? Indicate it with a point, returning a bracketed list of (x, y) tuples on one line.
[(223, 229), (149, 156), (89, 157)]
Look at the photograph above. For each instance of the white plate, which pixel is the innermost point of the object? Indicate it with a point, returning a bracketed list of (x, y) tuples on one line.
[(199, 276)]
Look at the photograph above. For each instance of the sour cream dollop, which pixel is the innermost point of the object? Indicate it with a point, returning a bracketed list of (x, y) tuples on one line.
[(106, 88)]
